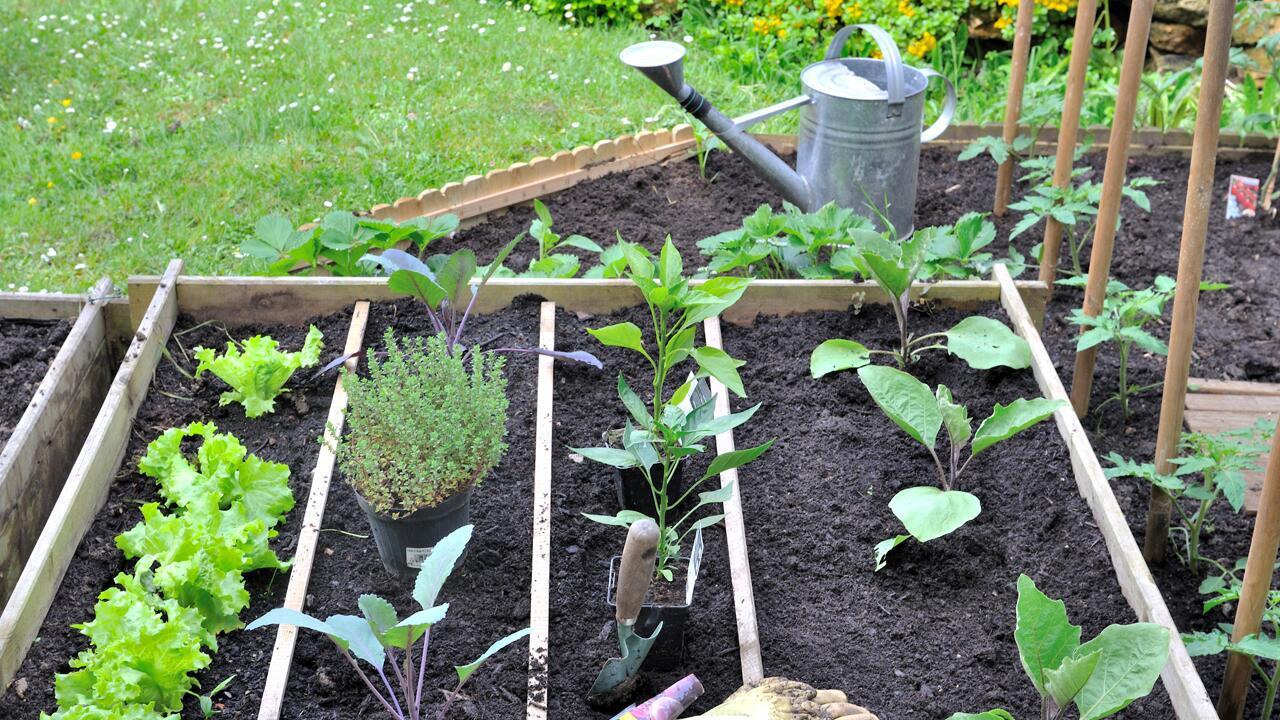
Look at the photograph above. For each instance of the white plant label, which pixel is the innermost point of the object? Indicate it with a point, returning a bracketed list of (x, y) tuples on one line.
[(414, 557)]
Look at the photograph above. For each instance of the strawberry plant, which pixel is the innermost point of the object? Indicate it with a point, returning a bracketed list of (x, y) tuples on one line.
[(381, 638), (257, 369), (929, 512)]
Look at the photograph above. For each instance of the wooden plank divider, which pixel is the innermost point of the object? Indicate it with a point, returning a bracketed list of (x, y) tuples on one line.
[(90, 479), (39, 453), (540, 576), (744, 601), (1232, 387), (295, 597), (1186, 689)]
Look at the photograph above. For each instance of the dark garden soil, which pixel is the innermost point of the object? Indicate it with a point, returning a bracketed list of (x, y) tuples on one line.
[(26, 349), (488, 595), (1236, 338), (583, 634), (290, 436), (932, 633)]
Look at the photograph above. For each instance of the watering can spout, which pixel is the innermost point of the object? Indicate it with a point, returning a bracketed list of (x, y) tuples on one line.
[(663, 63)]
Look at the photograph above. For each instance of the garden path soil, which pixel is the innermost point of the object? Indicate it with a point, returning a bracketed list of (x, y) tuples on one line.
[(26, 349), (932, 633), (290, 435), (488, 595), (583, 635)]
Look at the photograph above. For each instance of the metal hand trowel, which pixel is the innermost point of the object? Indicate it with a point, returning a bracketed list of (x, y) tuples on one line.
[(639, 555)]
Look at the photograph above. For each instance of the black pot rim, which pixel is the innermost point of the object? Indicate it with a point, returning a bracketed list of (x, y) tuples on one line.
[(368, 508)]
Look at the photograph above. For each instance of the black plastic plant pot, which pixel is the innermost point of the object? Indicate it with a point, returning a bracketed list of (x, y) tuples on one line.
[(405, 542), (667, 603), (632, 487)]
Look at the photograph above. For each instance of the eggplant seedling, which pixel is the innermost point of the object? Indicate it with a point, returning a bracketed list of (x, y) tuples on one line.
[(379, 635), (1100, 677), (926, 511), (982, 342)]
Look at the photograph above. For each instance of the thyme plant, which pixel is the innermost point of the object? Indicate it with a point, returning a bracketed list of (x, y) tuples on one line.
[(423, 426), (663, 434)]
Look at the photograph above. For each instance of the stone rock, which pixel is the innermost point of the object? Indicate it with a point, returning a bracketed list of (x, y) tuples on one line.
[(1178, 39), (1170, 62), (1186, 12), (1253, 32), (982, 25), (1262, 63)]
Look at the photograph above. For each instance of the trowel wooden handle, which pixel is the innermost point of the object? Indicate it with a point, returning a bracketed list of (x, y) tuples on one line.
[(639, 556)]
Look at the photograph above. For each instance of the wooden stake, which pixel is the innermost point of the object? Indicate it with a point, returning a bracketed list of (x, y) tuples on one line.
[(744, 601), (309, 536), (1256, 587), (1013, 103), (1195, 223), (1068, 129), (540, 580), (1270, 187), (1104, 235)]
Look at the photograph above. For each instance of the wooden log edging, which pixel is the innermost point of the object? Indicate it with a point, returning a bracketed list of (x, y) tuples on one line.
[(1186, 689), (744, 600), (273, 691), (540, 574), (42, 448), (90, 479)]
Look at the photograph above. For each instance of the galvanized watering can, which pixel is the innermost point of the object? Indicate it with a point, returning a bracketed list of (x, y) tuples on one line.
[(860, 134)]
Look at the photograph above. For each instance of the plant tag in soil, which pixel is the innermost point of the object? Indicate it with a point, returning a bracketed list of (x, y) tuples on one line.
[(1242, 197), (414, 557), (695, 562)]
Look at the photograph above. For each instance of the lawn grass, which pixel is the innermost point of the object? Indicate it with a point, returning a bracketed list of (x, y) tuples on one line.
[(131, 132)]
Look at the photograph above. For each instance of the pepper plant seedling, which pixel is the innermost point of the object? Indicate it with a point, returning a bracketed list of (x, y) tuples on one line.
[(379, 635), (982, 342), (1223, 590), (787, 245), (550, 263), (1124, 314), (1221, 460), (664, 434), (930, 512), (448, 288), (1100, 677)]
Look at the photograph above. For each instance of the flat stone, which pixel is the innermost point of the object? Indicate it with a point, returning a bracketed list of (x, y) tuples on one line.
[(1186, 12), (1251, 33), (1170, 62), (1178, 39)]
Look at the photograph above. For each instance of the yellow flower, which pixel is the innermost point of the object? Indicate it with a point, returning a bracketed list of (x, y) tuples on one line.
[(782, 33), (76, 155), (32, 201), (49, 184), (51, 120), (906, 9), (1003, 23), (66, 102), (760, 26), (833, 8)]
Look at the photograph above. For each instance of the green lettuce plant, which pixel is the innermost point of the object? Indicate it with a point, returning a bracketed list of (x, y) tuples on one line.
[(550, 263), (1223, 591), (150, 632), (982, 342), (1220, 460), (340, 243), (1100, 677), (929, 512), (422, 426), (381, 639), (664, 434), (257, 369)]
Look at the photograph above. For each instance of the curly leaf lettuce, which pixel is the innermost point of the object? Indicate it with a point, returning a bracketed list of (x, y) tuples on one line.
[(257, 373)]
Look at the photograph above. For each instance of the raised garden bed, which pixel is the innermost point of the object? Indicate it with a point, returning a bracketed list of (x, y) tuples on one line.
[(57, 356)]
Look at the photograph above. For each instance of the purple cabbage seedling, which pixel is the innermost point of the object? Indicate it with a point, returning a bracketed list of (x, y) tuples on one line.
[(380, 635)]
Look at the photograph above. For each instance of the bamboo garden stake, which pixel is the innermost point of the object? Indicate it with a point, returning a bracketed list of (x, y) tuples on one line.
[(1255, 587), (1068, 129), (1013, 103), (1104, 235), (1195, 224)]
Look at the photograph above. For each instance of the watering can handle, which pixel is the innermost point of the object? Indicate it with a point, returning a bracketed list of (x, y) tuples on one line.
[(948, 107), (892, 60)]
